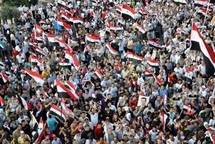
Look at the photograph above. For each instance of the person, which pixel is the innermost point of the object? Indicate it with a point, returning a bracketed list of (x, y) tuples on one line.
[(52, 123)]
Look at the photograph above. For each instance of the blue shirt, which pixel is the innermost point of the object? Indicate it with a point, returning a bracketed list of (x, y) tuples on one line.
[(138, 48), (163, 92), (51, 123)]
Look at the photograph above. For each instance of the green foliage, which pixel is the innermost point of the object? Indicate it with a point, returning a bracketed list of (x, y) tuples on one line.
[(8, 12), (18, 3)]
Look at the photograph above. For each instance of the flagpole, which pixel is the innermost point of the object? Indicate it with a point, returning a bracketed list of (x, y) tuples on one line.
[(206, 12)]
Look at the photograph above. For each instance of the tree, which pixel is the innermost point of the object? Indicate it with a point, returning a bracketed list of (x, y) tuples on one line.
[(8, 12), (18, 3)]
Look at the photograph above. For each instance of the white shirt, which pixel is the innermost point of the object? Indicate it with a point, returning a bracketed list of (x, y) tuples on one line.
[(90, 142), (94, 118)]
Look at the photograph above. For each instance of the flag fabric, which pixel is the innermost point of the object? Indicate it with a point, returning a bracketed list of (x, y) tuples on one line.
[(118, 9), (36, 76), (134, 56), (51, 38), (77, 20), (199, 44), (127, 11), (114, 28), (140, 28), (63, 63), (40, 131), (155, 44), (60, 42), (189, 111), (39, 50), (33, 120), (92, 38), (157, 79), (2, 102), (25, 104), (39, 29), (202, 11), (4, 77), (180, 1), (36, 60), (58, 113), (65, 92), (70, 85), (163, 118), (72, 59), (111, 50), (189, 73), (152, 62), (201, 2), (98, 73), (164, 99), (66, 109)]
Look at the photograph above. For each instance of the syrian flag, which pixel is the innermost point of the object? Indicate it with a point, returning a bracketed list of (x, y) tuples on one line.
[(67, 47), (155, 44), (2, 102), (98, 73), (26, 104), (127, 11), (33, 120), (134, 56), (38, 38), (45, 94), (180, 1), (39, 29), (58, 113), (92, 38), (157, 79), (70, 85), (77, 20), (39, 50), (111, 50), (36, 76), (118, 9), (63, 63), (36, 60), (65, 92), (114, 28), (163, 118), (2, 65), (202, 11), (51, 38), (189, 73), (72, 59), (65, 16), (87, 48), (60, 42), (152, 62), (4, 77), (202, 2), (142, 11), (140, 28), (60, 21), (67, 26), (40, 131), (189, 110), (66, 109), (198, 43)]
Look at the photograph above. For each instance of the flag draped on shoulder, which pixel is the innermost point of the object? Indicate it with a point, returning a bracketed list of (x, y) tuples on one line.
[(199, 44)]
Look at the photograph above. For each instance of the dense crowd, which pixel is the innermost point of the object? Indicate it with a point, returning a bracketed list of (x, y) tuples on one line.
[(136, 78)]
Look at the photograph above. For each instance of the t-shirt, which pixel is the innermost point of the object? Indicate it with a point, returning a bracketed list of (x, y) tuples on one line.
[(51, 123)]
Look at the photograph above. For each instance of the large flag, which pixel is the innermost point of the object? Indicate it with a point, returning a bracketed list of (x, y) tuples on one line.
[(4, 77), (58, 113), (180, 1), (36, 60), (40, 131), (65, 92), (198, 43), (77, 20), (39, 29), (111, 50), (140, 28), (70, 85), (202, 2), (36, 76), (127, 11), (72, 59)]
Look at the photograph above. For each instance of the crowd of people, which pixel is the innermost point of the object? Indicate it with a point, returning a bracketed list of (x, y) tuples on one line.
[(136, 78)]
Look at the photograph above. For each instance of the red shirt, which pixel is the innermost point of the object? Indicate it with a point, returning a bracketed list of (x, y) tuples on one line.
[(15, 53)]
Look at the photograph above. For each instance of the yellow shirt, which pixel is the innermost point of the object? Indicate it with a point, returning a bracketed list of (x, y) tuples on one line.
[(45, 73), (21, 140)]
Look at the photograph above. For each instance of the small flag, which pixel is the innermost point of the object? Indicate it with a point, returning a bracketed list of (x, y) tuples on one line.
[(92, 38), (134, 56), (112, 51), (26, 104), (152, 62), (72, 59), (98, 73), (36, 76), (4, 77), (2, 102), (58, 113)]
